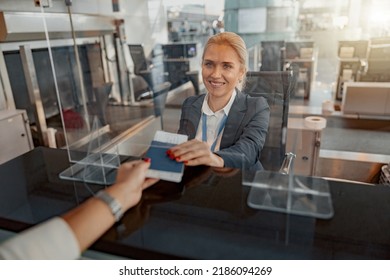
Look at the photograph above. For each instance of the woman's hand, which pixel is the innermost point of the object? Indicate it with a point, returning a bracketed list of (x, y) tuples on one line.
[(130, 181), (195, 152)]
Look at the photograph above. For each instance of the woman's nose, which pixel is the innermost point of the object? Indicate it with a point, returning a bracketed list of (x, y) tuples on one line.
[(216, 72)]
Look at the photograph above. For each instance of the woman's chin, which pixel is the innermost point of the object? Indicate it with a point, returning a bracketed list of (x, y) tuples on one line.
[(216, 91)]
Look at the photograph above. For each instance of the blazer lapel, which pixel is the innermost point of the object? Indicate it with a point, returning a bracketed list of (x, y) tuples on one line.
[(234, 120), (193, 117)]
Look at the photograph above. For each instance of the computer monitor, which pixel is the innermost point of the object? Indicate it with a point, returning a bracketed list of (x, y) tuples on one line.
[(379, 52), (179, 50), (177, 71), (293, 49), (191, 50), (138, 56), (353, 49), (378, 63), (379, 41), (272, 55), (366, 98)]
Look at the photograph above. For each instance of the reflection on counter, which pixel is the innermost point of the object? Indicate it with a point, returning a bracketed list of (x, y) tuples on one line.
[(206, 216)]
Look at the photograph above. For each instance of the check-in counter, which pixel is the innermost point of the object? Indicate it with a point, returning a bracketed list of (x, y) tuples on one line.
[(351, 146), (206, 216)]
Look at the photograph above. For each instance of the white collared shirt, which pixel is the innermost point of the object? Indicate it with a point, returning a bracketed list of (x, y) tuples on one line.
[(214, 120)]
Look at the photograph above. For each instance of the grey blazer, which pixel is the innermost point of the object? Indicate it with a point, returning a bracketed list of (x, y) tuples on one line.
[(245, 130)]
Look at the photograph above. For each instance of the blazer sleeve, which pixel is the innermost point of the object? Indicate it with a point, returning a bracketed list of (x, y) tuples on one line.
[(250, 136)]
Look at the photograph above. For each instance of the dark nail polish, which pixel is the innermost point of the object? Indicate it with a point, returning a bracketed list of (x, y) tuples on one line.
[(147, 159)]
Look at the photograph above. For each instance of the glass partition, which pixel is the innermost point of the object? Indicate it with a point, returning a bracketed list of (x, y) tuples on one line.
[(82, 74), (78, 72), (58, 78), (86, 90), (290, 151)]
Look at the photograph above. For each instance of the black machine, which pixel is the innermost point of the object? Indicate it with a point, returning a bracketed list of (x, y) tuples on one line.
[(179, 50), (177, 64)]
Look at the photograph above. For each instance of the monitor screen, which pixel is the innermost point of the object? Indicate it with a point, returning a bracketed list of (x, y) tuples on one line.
[(379, 52), (179, 50), (353, 49), (272, 55), (191, 50), (138, 57), (293, 49), (174, 51)]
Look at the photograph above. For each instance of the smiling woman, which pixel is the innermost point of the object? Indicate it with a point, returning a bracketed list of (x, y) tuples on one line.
[(226, 127)]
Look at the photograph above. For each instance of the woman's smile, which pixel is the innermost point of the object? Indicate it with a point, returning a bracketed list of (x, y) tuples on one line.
[(216, 84)]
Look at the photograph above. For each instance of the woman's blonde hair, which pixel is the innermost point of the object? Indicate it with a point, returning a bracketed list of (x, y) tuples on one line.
[(234, 41)]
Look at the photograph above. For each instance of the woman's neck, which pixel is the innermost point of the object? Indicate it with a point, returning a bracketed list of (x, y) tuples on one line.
[(217, 103)]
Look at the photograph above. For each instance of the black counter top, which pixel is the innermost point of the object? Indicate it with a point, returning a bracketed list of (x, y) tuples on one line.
[(204, 217)]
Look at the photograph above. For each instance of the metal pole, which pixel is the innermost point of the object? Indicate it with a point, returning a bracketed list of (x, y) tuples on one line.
[(34, 92), (5, 84), (76, 51)]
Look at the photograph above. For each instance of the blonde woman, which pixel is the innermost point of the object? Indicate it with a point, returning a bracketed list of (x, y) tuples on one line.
[(227, 128)]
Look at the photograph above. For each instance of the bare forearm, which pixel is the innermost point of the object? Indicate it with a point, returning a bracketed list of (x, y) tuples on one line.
[(94, 217), (82, 226), (89, 221)]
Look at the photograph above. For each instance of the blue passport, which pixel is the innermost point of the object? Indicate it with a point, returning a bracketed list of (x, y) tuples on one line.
[(162, 166), (160, 160)]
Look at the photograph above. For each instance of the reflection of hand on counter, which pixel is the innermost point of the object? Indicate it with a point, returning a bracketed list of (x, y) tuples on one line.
[(225, 171), (135, 218), (198, 174), (130, 222), (195, 175), (164, 191)]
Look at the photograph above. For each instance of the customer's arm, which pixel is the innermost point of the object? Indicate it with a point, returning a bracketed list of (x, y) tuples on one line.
[(68, 236), (91, 219)]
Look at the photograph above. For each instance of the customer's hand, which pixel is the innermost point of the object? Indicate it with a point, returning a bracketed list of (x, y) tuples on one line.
[(195, 152), (130, 181)]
